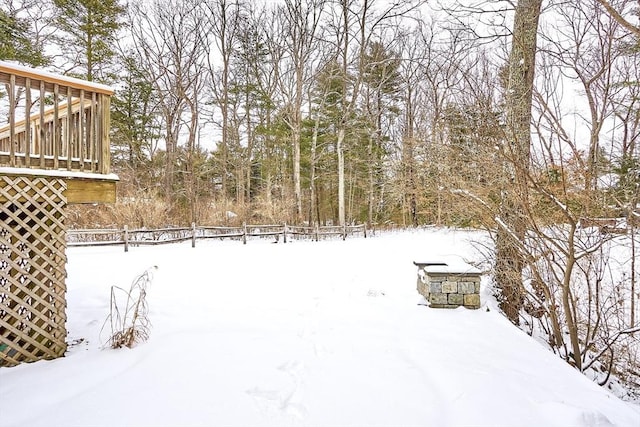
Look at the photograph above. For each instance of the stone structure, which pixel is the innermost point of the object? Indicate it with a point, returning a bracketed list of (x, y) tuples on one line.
[(449, 284)]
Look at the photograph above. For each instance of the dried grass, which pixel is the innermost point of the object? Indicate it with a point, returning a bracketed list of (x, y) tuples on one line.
[(131, 326)]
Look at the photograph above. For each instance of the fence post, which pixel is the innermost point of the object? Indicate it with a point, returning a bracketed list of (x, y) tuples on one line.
[(284, 233), (244, 233), (193, 234), (344, 232), (317, 232), (126, 238), (364, 229)]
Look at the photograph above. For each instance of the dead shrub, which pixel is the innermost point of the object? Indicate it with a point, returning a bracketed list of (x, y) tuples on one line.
[(131, 325)]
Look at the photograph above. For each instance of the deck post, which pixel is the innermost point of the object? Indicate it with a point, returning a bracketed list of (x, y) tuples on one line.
[(105, 156)]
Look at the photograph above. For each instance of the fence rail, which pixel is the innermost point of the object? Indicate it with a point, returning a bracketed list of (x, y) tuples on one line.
[(139, 237)]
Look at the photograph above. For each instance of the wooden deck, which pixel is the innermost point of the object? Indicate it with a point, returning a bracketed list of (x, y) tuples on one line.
[(57, 127), (54, 150)]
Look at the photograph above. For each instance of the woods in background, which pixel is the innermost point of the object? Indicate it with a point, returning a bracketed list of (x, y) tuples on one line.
[(341, 111)]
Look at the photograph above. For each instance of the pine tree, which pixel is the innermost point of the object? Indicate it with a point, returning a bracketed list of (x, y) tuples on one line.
[(382, 90), (15, 41), (132, 118), (90, 28)]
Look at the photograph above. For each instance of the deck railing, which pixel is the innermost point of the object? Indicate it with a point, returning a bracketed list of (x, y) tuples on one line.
[(53, 122)]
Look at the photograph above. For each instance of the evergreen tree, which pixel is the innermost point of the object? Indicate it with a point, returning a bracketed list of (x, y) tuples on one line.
[(15, 41), (381, 90), (132, 118), (90, 28)]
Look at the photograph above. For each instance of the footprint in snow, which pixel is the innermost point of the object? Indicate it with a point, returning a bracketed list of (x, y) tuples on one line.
[(285, 399)]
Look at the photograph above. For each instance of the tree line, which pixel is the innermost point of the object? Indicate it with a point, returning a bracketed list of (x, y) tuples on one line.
[(521, 117), (335, 110)]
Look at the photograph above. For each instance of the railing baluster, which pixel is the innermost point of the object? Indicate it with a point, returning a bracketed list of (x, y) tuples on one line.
[(98, 152), (12, 120), (94, 132), (70, 133), (43, 130), (55, 127), (27, 123), (81, 131)]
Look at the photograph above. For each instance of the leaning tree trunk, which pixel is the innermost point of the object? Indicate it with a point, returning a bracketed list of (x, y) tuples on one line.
[(509, 260)]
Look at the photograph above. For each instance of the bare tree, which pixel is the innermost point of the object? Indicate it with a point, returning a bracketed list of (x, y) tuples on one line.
[(407, 163), (223, 26), (617, 15), (168, 39), (301, 27), (356, 23), (518, 100), (565, 287)]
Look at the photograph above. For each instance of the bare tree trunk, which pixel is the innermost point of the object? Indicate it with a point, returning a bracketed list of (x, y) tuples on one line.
[(341, 201), (345, 112), (370, 191), (312, 172), (509, 262), (408, 161), (297, 126), (223, 19), (632, 235), (297, 190), (169, 167), (302, 21), (192, 176), (567, 303)]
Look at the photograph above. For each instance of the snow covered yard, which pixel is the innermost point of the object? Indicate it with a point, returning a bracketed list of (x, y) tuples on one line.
[(304, 333)]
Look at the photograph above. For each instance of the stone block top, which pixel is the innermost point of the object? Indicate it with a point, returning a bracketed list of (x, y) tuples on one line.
[(449, 266)]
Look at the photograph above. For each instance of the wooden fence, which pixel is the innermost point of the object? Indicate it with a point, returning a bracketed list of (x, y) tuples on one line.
[(140, 237)]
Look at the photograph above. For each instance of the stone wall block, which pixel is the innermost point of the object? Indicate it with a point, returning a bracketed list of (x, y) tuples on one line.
[(455, 299), (466, 288), (423, 290), (435, 287), (449, 287), (438, 299), (472, 300)]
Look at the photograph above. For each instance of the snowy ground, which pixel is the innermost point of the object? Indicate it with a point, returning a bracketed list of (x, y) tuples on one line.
[(304, 333)]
